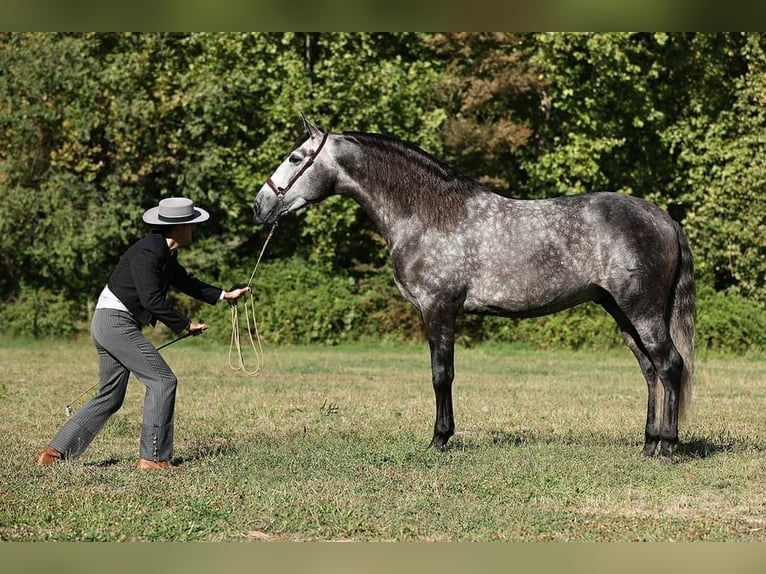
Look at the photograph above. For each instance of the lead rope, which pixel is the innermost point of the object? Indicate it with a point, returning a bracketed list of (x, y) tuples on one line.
[(236, 341)]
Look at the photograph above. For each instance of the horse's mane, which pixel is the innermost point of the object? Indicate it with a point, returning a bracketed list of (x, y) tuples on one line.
[(415, 179)]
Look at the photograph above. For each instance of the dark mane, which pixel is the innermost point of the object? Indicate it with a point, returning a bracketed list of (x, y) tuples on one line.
[(414, 178)]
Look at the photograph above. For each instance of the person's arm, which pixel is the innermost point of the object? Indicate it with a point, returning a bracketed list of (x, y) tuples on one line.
[(146, 267), (191, 286), (198, 289)]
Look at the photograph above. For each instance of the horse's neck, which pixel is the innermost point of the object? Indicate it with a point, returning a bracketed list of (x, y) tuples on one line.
[(399, 189), (385, 214)]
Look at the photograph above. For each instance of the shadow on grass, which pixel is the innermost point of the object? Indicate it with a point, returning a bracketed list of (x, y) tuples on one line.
[(474, 440), (200, 450), (207, 449), (705, 446), (689, 447), (103, 463)]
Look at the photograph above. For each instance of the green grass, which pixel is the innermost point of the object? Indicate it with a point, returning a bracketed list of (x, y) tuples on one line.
[(330, 444)]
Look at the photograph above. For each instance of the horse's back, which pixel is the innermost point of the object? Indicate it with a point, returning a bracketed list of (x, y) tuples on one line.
[(534, 257), (597, 221)]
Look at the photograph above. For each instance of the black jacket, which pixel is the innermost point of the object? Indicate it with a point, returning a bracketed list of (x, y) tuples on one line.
[(142, 277)]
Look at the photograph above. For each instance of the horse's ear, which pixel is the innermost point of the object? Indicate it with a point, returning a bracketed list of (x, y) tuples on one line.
[(312, 130)]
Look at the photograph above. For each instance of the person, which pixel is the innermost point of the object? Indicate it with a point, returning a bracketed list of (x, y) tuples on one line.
[(134, 297)]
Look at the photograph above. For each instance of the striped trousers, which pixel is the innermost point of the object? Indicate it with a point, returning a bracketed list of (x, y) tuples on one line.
[(123, 349)]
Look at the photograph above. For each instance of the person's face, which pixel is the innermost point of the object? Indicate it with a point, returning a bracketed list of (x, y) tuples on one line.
[(184, 234)]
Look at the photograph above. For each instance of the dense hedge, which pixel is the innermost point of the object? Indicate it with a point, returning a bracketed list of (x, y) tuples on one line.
[(97, 127), (297, 302)]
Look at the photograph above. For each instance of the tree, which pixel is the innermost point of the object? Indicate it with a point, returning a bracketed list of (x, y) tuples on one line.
[(727, 185), (615, 99), (97, 127), (661, 116), (50, 161), (361, 82), (494, 99)]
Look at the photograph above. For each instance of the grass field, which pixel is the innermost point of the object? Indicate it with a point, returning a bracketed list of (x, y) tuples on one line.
[(330, 444)]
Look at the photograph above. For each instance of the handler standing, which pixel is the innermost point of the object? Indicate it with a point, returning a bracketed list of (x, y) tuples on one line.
[(134, 297)]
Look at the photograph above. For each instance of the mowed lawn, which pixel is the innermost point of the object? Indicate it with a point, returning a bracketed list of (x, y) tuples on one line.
[(329, 443)]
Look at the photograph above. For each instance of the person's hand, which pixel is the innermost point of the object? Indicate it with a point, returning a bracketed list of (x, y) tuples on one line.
[(197, 328), (235, 293)]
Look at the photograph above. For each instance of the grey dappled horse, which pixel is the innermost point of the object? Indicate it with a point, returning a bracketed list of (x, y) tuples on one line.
[(458, 247)]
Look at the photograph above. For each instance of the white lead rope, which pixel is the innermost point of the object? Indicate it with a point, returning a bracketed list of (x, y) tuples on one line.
[(238, 363)]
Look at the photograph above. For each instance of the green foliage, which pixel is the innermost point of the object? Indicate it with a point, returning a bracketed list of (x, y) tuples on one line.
[(363, 82), (729, 322), (303, 302), (726, 322), (726, 222), (661, 116), (42, 313), (619, 102), (584, 327), (493, 97), (386, 315), (300, 303), (97, 127)]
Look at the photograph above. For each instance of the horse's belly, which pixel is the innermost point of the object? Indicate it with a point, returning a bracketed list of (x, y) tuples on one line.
[(527, 300)]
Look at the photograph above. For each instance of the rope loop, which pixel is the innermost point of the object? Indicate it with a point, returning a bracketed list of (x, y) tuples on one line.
[(236, 341), (237, 362)]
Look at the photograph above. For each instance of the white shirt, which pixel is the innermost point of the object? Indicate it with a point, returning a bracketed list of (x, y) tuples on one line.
[(108, 300)]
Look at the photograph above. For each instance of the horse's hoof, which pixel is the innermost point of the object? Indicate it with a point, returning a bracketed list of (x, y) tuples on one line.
[(438, 443), (650, 446), (668, 448)]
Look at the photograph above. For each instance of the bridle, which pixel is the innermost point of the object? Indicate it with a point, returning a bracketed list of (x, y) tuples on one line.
[(281, 191)]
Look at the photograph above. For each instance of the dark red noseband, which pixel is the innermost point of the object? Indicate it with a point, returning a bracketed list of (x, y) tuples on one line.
[(280, 191)]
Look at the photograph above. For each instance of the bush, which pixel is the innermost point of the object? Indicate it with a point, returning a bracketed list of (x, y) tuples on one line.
[(298, 302), (42, 313), (586, 326), (729, 322), (385, 314), (725, 321), (295, 303)]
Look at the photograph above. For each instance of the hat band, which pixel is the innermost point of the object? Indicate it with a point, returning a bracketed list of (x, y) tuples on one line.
[(177, 219)]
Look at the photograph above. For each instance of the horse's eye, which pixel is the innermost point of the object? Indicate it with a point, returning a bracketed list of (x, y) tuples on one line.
[(294, 159)]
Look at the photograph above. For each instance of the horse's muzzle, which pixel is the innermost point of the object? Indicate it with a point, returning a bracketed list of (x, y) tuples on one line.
[(257, 215), (263, 216)]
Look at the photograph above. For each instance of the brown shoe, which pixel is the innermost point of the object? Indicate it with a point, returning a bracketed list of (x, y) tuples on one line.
[(49, 456), (144, 464)]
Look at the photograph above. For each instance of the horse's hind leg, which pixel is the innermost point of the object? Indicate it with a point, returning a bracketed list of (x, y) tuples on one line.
[(669, 364), (664, 359), (653, 408), (653, 339)]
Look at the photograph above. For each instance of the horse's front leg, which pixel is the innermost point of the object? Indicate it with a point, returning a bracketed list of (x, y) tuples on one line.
[(441, 341)]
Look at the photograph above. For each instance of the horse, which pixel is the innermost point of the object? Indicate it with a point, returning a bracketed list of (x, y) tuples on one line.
[(458, 247)]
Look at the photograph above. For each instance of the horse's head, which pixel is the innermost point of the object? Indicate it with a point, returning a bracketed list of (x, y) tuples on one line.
[(299, 180)]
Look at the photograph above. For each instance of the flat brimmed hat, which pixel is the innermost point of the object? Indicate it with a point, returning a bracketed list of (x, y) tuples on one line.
[(175, 211)]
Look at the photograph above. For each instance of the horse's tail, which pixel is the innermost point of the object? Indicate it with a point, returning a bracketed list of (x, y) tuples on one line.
[(682, 312)]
